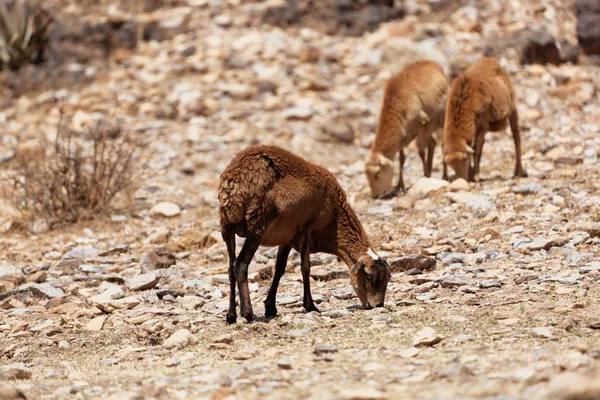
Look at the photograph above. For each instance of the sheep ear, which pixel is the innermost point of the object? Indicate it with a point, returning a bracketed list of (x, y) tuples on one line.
[(385, 162), (358, 280), (469, 149)]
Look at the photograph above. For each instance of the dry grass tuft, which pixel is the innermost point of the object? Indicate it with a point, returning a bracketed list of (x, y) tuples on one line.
[(78, 176)]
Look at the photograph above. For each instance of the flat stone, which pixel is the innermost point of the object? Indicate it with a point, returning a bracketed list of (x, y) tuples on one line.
[(459, 185), (96, 324), (455, 280), (143, 282), (112, 292), (490, 283), (121, 304), (47, 291), (427, 337), (298, 332), (400, 264), (285, 363), (343, 293), (540, 243), (364, 393), (409, 352), (325, 348), (37, 277), (424, 186), (542, 332), (14, 371), (81, 252), (179, 339), (426, 287), (530, 188), (226, 339), (158, 258), (165, 209)]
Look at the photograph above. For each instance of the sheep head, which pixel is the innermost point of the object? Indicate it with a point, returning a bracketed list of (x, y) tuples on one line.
[(370, 276), (459, 161), (380, 174)]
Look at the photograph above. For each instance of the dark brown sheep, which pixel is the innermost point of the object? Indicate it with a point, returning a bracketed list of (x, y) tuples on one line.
[(274, 198)]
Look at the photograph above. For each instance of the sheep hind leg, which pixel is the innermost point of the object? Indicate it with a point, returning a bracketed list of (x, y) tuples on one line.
[(430, 154), (308, 303), (228, 234), (241, 274), (280, 264), (514, 127)]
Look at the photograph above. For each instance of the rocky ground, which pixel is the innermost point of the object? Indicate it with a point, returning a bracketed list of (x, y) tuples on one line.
[(497, 300)]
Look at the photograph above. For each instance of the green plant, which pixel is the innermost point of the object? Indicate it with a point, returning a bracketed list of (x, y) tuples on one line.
[(23, 33)]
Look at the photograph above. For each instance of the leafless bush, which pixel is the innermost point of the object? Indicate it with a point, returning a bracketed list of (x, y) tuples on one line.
[(79, 177)]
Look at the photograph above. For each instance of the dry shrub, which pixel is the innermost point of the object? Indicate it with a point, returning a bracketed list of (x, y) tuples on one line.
[(79, 177)]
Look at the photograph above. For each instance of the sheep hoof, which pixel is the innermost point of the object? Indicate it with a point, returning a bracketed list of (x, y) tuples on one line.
[(270, 311), (231, 318), (311, 308), (522, 174), (248, 316)]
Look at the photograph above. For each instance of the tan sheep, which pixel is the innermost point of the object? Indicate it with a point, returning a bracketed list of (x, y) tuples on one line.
[(274, 198), (413, 108), (481, 99)]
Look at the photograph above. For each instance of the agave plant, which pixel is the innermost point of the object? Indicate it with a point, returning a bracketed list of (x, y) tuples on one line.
[(23, 33)]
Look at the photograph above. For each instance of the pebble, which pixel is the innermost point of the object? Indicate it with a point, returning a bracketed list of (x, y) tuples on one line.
[(285, 363), (298, 332), (180, 339), (14, 371), (96, 324), (426, 337), (325, 348), (343, 293), (165, 209), (455, 280), (143, 282), (424, 186), (459, 185), (47, 291), (542, 332)]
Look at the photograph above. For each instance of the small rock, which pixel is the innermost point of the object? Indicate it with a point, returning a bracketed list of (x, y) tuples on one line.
[(158, 258), (96, 324), (298, 332), (112, 292), (426, 287), (409, 352), (542, 332), (47, 291), (165, 209), (82, 252), (37, 277), (459, 185), (12, 394), (298, 113), (14, 371), (530, 188), (540, 243), (400, 264), (455, 280), (338, 131), (325, 349), (180, 339), (364, 393), (143, 282), (226, 339), (427, 337), (424, 186), (490, 284), (343, 293), (285, 363)]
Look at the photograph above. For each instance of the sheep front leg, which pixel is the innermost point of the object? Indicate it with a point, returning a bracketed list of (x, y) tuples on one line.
[(400, 186), (479, 141), (270, 302), (228, 234), (308, 302), (241, 274)]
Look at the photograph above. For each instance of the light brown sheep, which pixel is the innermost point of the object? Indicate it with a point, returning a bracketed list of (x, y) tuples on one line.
[(274, 198), (481, 99), (413, 108)]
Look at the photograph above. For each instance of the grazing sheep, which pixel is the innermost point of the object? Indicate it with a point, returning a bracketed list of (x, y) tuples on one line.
[(413, 108), (274, 198), (481, 99)]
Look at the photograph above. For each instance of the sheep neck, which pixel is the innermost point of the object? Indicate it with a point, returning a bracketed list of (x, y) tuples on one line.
[(353, 242)]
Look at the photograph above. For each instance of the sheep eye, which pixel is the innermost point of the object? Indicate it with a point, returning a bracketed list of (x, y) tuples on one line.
[(369, 277)]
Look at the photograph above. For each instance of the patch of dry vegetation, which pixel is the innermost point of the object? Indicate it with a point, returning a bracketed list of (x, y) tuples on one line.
[(78, 176)]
